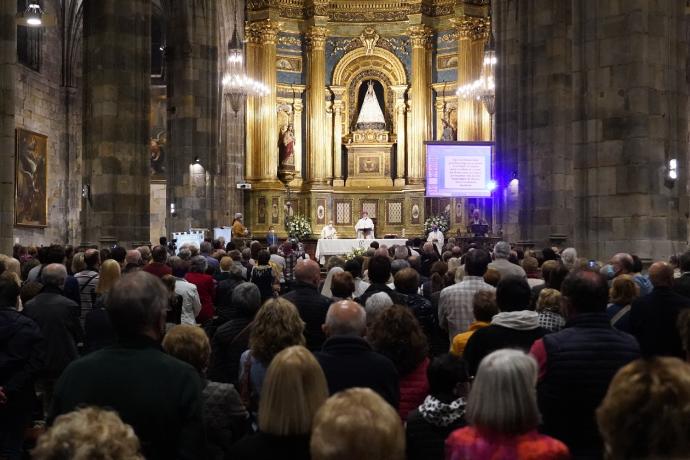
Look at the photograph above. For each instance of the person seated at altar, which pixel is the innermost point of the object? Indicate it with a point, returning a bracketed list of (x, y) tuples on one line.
[(365, 227), (271, 237), (329, 232), (238, 228), (436, 236)]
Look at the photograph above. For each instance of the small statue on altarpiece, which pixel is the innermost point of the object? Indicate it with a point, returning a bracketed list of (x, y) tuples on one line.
[(286, 147)]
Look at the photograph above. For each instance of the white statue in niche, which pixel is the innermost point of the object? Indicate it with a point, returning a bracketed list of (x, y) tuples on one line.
[(370, 115)]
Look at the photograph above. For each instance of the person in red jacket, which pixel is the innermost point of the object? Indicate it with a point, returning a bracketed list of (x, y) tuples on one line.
[(397, 335), (205, 285)]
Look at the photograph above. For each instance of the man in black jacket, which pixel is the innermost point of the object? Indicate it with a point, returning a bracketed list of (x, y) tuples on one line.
[(347, 359), (312, 306), (653, 317), (516, 326), (577, 364), (682, 285), (20, 360), (58, 318), (379, 275), (157, 394)]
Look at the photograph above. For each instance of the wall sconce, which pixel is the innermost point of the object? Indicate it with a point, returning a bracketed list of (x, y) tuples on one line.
[(172, 209), (514, 181), (671, 173), (197, 161)]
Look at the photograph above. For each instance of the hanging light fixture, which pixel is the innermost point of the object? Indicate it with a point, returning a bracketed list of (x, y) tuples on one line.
[(236, 82), (33, 13)]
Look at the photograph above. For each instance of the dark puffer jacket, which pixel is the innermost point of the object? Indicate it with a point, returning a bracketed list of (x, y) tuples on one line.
[(426, 435), (581, 360)]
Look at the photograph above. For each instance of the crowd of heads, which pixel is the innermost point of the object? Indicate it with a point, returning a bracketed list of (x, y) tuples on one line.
[(393, 299)]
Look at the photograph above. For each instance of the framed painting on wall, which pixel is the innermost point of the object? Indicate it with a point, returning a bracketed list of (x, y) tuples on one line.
[(31, 179)]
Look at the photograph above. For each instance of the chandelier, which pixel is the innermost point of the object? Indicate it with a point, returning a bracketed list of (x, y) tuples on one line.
[(33, 13), (484, 88), (236, 83)]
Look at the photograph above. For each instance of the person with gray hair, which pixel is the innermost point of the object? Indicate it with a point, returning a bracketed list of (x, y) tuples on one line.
[(375, 305), (397, 265), (501, 263), (502, 412), (401, 252), (348, 360), (569, 258), (58, 319), (158, 395), (231, 338)]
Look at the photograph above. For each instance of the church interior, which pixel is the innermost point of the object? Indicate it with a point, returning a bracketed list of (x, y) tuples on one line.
[(121, 125)]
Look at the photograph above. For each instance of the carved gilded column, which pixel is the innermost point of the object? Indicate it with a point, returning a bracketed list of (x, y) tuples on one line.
[(328, 141), (297, 125), (471, 33), (482, 124), (316, 107), (253, 57), (419, 37), (337, 135), (401, 133)]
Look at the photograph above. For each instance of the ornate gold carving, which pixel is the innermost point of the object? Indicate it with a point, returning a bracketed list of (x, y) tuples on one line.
[(419, 36), (263, 32), (289, 64), (395, 44), (370, 136), (289, 40), (472, 27), (316, 38), (369, 38)]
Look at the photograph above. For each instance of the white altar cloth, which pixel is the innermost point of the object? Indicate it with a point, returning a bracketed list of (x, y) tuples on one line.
[(343, 246)]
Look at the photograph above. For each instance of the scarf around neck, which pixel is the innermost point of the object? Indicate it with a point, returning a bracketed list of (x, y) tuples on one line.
[(442, 414)]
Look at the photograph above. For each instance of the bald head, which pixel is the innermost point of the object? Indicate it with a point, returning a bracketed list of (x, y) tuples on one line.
[(133, 257), (54, 275), (661, 274), (622, 263), (345, 318), (308, 271)]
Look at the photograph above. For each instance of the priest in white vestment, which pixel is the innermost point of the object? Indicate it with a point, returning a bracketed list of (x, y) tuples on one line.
[(365, 227), (329, 232), (436, 236)]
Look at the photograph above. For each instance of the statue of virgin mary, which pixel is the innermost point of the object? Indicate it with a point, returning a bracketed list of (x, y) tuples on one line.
[(370, 115)]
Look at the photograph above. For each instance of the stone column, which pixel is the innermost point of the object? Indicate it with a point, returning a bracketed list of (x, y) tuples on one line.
[(338, 92), (316, 107), (117, 73), (401, 133), (8, 59), (419, 37)]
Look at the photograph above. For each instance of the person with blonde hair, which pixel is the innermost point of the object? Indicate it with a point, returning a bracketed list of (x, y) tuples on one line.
[(294, 389), (549, 309), (225, 418), (502, 413), (109, 274), (88, 433), (357, 424), (277, 325), (646, 411), (623, 291), (98, 331)]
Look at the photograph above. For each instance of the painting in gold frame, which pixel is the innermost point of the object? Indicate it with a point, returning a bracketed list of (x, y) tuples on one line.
[(31, 179)]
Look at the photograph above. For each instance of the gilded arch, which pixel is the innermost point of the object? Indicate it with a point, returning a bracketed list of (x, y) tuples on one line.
[(379, 64)]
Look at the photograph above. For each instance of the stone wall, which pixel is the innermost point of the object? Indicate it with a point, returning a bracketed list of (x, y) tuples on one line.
[(43, 105), (591, 106)]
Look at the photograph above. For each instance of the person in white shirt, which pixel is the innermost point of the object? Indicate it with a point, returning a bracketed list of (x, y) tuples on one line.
[(329, 232), (365, 227), (436, 236)]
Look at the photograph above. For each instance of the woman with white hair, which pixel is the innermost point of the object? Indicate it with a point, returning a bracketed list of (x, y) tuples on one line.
[(326, 289), (569, 257), (503, 415)]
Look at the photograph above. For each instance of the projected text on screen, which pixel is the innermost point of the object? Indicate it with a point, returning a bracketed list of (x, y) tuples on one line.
[(458, 170)]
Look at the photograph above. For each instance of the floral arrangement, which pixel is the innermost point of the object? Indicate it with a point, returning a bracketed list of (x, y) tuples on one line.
[(441, 221), (356, 252), (298, 226)]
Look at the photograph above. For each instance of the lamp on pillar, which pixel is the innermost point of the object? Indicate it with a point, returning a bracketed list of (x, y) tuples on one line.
[(236, 83)]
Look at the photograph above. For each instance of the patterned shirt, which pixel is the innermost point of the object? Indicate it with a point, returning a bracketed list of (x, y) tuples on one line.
[(551, 321), (88, 281), (455, 304)]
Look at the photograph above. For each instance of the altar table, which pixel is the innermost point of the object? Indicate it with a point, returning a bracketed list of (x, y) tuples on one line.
[(341, 247)]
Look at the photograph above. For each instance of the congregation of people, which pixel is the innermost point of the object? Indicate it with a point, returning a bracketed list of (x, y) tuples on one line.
[(417, 351)]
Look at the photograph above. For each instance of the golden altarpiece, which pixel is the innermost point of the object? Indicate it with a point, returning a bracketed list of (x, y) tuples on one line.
[(320, 59)]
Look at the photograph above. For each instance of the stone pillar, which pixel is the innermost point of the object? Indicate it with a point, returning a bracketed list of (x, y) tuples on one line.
[(401, 133), (316, 107), (117, 73), (8, 59), (338, 92), (194, 169), (419, 37)]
